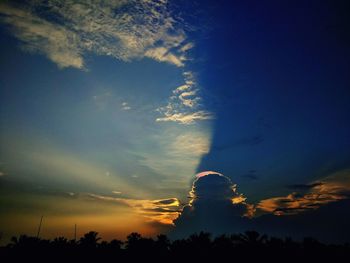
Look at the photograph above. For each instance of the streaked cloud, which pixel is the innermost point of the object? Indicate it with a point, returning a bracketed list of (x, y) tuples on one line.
[(162, 54), (125, 30), (59, 44), (189, 98), (186, 118), (163, 211), (322, 192), (181, 88), (125, 106), (184, 104), (187, 47)]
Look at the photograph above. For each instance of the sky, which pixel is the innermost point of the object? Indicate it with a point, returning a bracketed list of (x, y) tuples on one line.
[(111, 110)]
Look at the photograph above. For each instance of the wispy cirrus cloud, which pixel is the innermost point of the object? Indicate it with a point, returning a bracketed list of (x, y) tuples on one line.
[(186, 118), (330, 189), (184, 104), (65, 31), (58, 43), (125, 106), (162, 54)]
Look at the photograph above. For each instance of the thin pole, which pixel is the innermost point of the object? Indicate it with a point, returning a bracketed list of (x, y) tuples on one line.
[(39, 228), (75, 232)]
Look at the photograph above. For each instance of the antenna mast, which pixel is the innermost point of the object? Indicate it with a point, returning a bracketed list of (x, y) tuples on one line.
[(75, 232), (39, 228)]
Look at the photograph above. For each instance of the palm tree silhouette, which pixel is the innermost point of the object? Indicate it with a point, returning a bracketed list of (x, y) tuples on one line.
[(201, 241), (222, 243), (89, 240), (24, 241), (197, 246), (162, 244), (252, 239), (133, 240), (60, 242)]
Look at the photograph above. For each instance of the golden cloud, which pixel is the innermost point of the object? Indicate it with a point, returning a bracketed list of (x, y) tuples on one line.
[(327, 190), (163, 211)]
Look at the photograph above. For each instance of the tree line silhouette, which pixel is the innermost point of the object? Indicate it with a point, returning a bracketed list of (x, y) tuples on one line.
[(250, 244)]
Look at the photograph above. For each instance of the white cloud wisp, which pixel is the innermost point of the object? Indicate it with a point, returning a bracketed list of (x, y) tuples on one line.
[(65, 31)]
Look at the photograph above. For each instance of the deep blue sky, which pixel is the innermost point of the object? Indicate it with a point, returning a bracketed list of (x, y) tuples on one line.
[(278, 74)]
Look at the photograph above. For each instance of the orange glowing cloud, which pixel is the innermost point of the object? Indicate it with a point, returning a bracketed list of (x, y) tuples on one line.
[(330, 189), (162, 211)]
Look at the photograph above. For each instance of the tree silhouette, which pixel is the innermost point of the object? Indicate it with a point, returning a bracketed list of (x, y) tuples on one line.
[(115, 244), (252, 239), (200, 242), (24, 241), (222, 243), (60, 242), (250, 245), (136, 243), (162, 244), (133, 241), (89, 240)]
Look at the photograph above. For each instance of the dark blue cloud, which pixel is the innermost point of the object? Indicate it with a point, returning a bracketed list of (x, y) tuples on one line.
[(323, 213), (215, 206)]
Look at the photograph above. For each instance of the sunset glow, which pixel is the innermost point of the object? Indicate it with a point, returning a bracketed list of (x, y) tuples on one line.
[(174, 117)]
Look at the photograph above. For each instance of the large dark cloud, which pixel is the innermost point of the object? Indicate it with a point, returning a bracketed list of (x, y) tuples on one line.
[(216, 207)]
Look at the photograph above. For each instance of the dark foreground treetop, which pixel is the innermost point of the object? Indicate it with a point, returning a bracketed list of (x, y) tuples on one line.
[(248, 246)]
